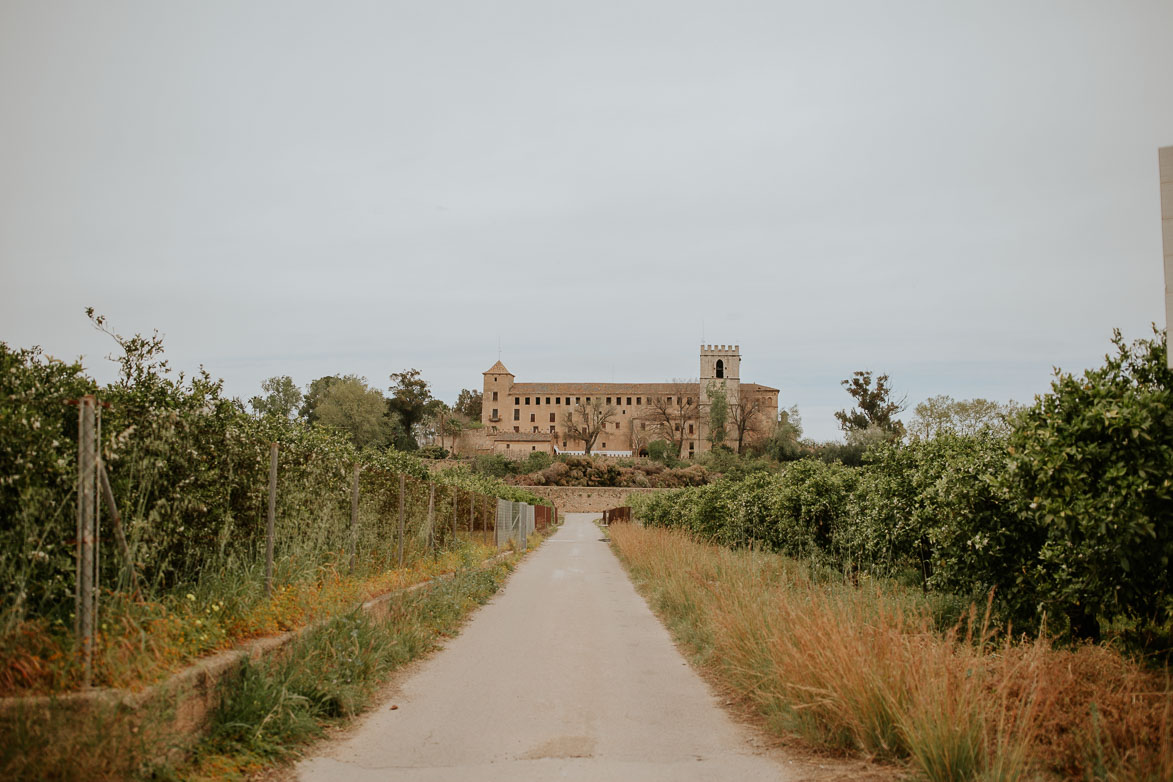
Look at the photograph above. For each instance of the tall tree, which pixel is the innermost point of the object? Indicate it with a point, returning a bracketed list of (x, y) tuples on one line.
[(586, 420), (874, 408), (945, 415), (468, 404), (313, 395), (748, 416), (410, 397), (281, 398), (670, 412), (351, 406), (718, 414)]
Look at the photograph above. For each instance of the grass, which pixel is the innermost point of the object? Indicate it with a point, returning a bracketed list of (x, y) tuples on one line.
[(140, 642), (272, 707), (871, 669)]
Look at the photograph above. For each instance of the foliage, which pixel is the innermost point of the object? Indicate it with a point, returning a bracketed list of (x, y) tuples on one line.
[(783, 444), (945, 415), (410, 398), (313, 395), (1091, 479), (282, 398), (432, 452), (468, 404), (664, 452), (874, 407), (358, 411), (718, 413), (1069, 519), (588, 471)]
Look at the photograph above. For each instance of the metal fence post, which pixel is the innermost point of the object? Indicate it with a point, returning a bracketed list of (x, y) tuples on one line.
[(402, 484), (353, 513), (269, 529), (84, 618)]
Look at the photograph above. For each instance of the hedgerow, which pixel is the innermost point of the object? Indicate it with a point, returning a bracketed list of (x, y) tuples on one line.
[(1069, 517)]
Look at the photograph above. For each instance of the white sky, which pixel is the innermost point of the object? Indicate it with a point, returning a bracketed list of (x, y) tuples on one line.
[(961, 195)]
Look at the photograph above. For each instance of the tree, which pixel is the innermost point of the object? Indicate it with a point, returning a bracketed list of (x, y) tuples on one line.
[(440, 422), (586, 420), (783, 443), (314, 393), (352, 407), (747, 416), (943, 414), (718, 413), (874, 407), (468, 404), (670, 413), (281, 399), (410, 396)]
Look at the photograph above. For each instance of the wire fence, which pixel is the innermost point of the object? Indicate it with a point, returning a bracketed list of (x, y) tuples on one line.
[(314, 512)]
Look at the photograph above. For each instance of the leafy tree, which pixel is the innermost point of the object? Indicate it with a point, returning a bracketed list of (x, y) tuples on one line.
[(664, 452), (1089, 474), (586, 420), (281, 398), (468, 404), (943, 414), (874, 407), (783, 445), (410, 397), (718, 414), (313, 395), (351, 406)]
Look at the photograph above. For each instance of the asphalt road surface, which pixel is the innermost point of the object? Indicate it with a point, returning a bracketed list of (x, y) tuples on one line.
[(565, 674)]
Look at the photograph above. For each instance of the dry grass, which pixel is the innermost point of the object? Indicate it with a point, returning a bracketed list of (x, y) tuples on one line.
[(865, 669), (140, 641)]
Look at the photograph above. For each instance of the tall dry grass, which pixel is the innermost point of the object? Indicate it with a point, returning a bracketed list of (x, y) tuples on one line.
[(866, 669)]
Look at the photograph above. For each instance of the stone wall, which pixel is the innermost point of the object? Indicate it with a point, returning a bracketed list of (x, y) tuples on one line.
[(585, 499)]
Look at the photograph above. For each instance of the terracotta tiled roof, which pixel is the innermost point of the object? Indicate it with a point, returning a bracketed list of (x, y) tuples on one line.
[(523, 437), (497, 369), (756, 387)]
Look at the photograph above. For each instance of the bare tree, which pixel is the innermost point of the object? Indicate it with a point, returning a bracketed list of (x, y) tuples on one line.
[(670, 412), (747, 416), (586, 421)]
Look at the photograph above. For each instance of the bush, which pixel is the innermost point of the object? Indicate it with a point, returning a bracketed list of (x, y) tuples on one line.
[(432, 452)]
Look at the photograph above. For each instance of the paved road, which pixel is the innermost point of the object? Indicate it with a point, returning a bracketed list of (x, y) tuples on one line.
[(566, 674)]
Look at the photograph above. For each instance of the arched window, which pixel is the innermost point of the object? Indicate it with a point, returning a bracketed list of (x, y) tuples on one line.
[(720, 368)]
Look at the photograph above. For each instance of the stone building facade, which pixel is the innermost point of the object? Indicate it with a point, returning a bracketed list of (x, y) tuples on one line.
[(521, 418)]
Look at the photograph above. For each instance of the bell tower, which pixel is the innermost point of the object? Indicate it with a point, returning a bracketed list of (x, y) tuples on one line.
[(721, 366)]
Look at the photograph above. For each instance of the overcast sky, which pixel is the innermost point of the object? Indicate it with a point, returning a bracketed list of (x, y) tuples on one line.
[(962, 195)]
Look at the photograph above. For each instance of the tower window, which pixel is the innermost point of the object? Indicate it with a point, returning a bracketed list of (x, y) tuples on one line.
[(551, 418), (494, 396), (720, 368)]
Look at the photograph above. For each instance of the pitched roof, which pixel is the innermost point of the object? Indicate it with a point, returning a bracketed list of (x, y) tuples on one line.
[(497, 369), (756, 387)]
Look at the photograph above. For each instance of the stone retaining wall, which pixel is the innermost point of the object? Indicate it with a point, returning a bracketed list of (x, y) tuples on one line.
[(585, 499)]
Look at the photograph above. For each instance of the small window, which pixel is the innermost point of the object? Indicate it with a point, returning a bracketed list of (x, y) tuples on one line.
[(616, 424), (551, 418), (557, 400), (517, 400), (643, 427), (527, 400), (551, 430), (669, 400), (563, 443), (516, 415), (547, 400), (535, 428), (639, 400), (495, 414), (578, 400), (532, 417), (588, 400), (628, 401), (537, 400), (608, 400), (517, 428), (720, 368), (533, 448), (689, 402), (494, 396), (690, 428), (604, 445), (506, 446), (678, 427)]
